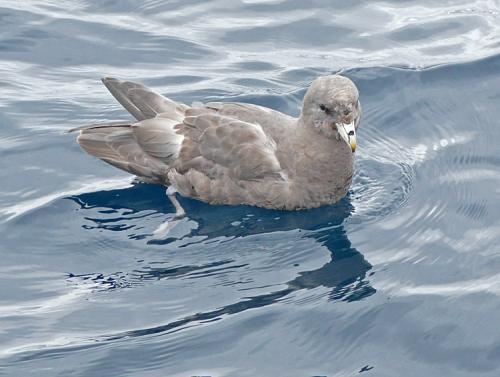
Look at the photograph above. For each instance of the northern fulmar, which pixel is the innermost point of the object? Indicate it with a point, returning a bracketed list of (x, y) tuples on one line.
[(235, 153)]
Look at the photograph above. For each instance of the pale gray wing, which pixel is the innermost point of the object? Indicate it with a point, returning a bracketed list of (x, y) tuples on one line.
[(249, 112), (145, 148), (142, 102), (220, 146), (158, 139), (274, 123), (116, 144)]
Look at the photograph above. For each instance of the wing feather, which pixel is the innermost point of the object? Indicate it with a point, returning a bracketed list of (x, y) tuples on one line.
[(116, 145), (226, 146), (158, 138), (142, 102)]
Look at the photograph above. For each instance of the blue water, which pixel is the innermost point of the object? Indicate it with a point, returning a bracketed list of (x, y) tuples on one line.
[(401, 278)]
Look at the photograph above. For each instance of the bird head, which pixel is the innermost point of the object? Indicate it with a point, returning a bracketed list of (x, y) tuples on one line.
[(331, 106)]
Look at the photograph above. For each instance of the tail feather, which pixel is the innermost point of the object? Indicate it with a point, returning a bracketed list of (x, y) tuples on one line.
[(100, 125), (146, 148), (116, 145)]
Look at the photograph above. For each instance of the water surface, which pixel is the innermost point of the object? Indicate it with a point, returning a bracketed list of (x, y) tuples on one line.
[(402, 277)]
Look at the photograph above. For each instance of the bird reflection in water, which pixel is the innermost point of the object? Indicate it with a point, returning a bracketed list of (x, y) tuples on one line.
[(345, 273)]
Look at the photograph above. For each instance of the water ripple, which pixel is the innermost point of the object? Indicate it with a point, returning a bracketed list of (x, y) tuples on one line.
[(84, 278)]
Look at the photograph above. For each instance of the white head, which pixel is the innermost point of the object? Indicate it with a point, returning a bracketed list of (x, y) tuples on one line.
[(331, 106)]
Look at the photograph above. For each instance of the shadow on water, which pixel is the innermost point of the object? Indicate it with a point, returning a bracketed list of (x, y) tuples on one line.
[(345, 273)]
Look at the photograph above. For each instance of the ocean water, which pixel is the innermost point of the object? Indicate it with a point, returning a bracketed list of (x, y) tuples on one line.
[(401, 278)]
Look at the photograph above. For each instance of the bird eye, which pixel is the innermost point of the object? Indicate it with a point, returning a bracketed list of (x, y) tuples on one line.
[(324, 108)]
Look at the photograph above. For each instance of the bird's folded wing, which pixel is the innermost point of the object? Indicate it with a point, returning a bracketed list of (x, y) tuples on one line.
[(142, 102), (218, 145), (158, 139), (245, 111), (115, 144)]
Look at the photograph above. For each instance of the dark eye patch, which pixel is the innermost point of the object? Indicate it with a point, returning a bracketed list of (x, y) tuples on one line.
[(324, 108)]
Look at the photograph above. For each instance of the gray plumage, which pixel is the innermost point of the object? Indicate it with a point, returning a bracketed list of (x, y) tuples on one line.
[(235, 153)]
